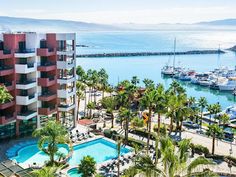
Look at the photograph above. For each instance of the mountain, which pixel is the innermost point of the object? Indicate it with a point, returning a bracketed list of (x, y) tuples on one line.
[(51, 25), (43, 25), (225, 22)]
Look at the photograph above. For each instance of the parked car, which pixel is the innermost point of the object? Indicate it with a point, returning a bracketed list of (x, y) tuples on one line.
[(190, 124)]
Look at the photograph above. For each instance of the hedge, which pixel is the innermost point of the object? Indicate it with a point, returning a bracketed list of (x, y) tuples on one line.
[(199, 149)]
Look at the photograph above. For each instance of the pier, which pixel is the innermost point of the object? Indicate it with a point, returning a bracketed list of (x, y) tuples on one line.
[(132, 54)]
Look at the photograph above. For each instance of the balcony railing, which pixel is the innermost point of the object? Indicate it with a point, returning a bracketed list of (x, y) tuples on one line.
[(5, 54), (25, 82), (32, 50), (8, 117), (6, 67), (47, 96), (46, 51), (66, 77)]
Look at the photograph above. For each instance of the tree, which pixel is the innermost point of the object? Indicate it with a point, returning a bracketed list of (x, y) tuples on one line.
[(137, 122), (5, 96), (126, 114), (87, 166), (118, 149), (80, 88), (52, 134), (135, 80), (149, 84), (110, 103), (202, 103), (91, 106), (103, 80), (210, 110), (216, 108), (149, 101), (45, 172), (224, 118), (215, 132)]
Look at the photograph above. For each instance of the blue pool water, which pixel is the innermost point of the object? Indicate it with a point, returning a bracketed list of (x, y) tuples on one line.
[(31, 154), (100, 149), (73, 172)]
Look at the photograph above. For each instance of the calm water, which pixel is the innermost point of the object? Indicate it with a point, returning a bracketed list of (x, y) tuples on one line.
[(150, 67)]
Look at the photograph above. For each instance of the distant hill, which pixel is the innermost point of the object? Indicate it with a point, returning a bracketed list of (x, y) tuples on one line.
[(45, 25), (225, 22), (29, 24)]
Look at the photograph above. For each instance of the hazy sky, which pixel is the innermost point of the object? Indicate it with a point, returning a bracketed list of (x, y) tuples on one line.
[(122, 11)]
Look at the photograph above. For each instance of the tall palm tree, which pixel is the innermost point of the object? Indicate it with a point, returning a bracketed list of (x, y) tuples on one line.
[(126, 114), (202, 103), (215, 132), (135, 80), (149, 101), (224, 118), (52, 134), (161, 108), (103, 80), (90, 106), (191, 101), (216, 109), (118, 149), (210, 110), (80, 88), (5, 96), (149, 84), (45, 172), (110, 103)]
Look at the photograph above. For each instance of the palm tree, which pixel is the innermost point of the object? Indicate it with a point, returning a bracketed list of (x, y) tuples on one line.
[(52, 134), (5, 96), (216, 108), (210, 110), (161, 107), (103, 80), (118, 149), (149, 83), (202, 103), (87, 166), (110, 103), (91, 106), (135, 80), (191, 101), (80, 87), (137, 122), (215, 132), (145, 166), (45, 172), (224, 118), (149, 101), (126, 114)]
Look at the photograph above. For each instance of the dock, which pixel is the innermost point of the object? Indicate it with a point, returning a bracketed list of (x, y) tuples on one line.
[(132, 54)]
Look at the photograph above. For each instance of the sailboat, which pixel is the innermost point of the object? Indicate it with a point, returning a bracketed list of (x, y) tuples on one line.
[(169, 70)]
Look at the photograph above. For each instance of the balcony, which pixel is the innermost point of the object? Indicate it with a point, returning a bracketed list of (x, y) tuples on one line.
[(26, 115), (65, 64), (62, 50), (6, 70), (66, 107), (66, 79), (46, 82), (7, 118), (5, 54), (25, 53), (66, 93), (47, 96), (7, 105), (45, 52), (47, 66), (26, 100), (47, 110), (26, 84), (26, 68), (9, 85)]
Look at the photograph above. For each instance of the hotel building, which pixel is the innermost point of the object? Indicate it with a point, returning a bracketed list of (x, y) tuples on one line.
[(38, 70)]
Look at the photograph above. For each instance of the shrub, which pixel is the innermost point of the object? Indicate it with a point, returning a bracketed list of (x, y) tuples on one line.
[(199, 149), (107, 133)]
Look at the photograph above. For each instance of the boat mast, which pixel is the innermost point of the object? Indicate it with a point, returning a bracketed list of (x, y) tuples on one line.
[(174, 53)]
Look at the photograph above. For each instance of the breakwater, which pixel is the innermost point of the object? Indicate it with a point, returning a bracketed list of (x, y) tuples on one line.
[(132, 54)]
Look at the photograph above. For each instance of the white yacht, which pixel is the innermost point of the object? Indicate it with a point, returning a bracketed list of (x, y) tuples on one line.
[(168, 70), (229, 85)]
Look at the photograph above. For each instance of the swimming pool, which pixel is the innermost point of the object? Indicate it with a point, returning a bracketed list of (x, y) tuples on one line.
[(30, 154), (100, 149)]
